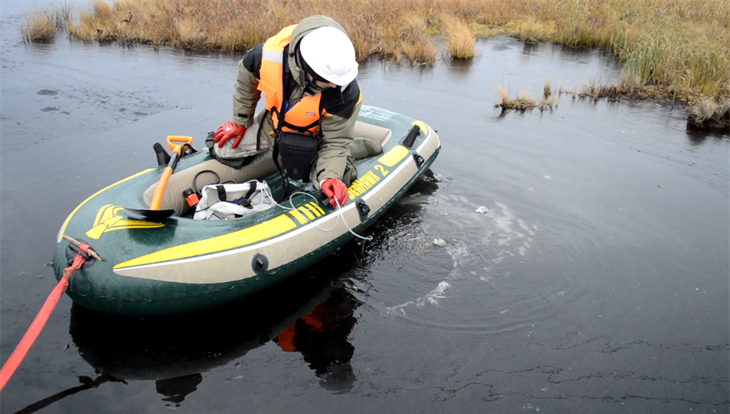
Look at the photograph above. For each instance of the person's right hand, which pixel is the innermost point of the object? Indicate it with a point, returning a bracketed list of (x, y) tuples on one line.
[(336, 190), (227, 131)]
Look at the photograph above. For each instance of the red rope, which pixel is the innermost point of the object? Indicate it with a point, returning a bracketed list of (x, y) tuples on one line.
[(38, 323)]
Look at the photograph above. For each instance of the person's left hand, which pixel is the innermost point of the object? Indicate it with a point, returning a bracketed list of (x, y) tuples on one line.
[(335, 190), (227, 131)]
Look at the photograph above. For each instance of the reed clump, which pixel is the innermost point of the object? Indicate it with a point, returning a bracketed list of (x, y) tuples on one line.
[(524, 102), (460, 38), (41, 25), (678, 46), (548, 97), (708, 113), (521, 103), (414, 42)]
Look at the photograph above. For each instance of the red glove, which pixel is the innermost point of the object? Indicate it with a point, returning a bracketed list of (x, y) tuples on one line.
[(335, 190), (227, 131)]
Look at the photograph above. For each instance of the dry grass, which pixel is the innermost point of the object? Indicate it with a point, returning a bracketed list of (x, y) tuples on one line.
[(41, 25), (531, 30), (524, 102), (548, 98), (709, 113), (547, 90), (460, 38), (521, 103), (630, 87), (678, 46), (414, 43)]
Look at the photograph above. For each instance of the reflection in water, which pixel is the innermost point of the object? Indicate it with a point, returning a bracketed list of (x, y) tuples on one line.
[(460, 65), (530, 48), (698, 137), (175, 351), (86, 383), (176, 389), (500, 114), (321, 337), (585, 55)]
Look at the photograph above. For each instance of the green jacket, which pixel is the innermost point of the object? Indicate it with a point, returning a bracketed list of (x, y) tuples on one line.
[(341, 103)]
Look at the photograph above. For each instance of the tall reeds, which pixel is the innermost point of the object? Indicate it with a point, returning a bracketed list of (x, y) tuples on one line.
[(414, 42), (460, 38), (41, 25)]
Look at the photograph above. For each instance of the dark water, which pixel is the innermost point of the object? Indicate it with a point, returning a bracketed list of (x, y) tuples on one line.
[(596, 281)]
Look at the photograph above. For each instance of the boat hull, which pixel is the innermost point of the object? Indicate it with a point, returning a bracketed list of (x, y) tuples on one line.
[(156, 267)]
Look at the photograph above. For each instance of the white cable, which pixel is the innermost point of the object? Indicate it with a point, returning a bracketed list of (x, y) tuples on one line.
[(348, 227), (339, 208)]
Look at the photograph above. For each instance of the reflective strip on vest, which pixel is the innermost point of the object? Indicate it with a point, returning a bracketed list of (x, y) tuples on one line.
[(272, 56), (306, 111)]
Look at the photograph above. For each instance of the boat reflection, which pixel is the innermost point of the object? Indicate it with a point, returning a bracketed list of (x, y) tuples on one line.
[(174, 352)]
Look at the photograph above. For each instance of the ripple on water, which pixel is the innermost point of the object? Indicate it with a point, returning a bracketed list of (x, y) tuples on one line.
[(468, 285), (496, 272)]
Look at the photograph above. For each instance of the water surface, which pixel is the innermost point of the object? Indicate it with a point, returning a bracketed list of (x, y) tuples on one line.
[(595, 280)]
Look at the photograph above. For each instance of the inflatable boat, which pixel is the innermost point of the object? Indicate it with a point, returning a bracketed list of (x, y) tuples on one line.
[(163, 261)]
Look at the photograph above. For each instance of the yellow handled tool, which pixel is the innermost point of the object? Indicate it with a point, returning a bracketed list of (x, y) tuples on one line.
[(175, 143)]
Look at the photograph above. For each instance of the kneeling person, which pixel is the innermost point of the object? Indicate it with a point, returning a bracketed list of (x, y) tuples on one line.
[(307, 75)]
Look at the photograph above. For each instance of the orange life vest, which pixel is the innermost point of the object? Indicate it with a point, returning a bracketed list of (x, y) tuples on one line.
[(305, 115)]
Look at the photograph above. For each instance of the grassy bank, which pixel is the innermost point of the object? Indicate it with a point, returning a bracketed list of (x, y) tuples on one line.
[(679, 48)]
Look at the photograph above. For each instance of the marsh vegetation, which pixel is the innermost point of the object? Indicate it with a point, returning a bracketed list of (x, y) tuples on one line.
[(42, 24), (673, 49), (523, 102)]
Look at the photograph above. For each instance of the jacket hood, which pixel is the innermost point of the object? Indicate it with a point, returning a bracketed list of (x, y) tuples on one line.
[(305, 26)]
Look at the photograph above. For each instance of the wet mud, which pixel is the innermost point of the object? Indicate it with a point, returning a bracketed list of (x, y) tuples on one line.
[(573, 260)]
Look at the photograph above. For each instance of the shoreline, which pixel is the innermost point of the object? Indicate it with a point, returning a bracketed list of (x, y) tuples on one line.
[(668, 49)]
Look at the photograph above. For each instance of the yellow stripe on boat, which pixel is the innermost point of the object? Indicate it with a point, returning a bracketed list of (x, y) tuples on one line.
[(393, 156), (297, 215), (266, 230), (422, 126), (108, 219), (65, 223), (316, 208), (307, 212)]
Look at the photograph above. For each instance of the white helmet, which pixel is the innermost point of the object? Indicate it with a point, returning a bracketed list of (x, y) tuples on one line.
[(330, 54)]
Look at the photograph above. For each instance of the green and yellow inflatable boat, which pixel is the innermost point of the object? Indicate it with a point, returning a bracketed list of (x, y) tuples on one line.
[(164, 264)]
